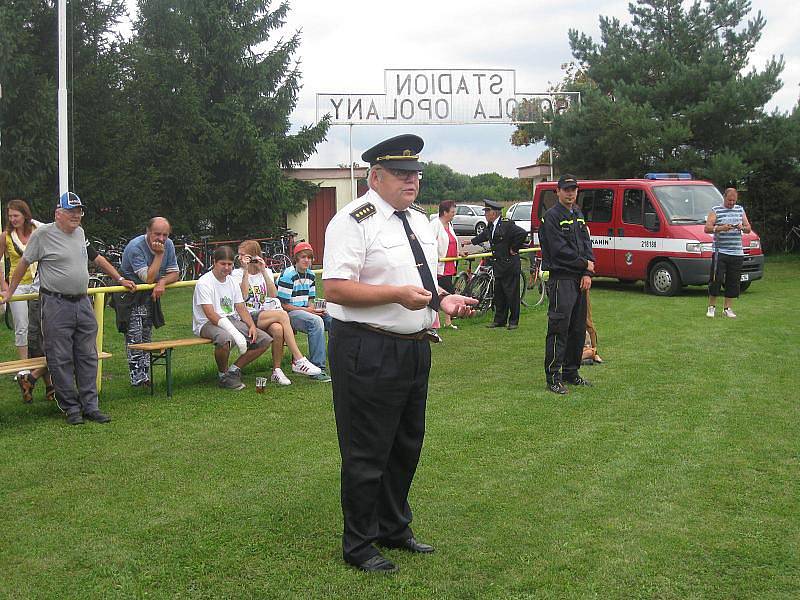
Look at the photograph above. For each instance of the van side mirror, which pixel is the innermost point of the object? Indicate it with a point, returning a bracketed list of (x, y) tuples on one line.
[(651, 221)]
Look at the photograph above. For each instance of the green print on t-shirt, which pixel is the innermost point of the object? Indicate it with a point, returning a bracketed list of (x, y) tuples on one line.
[(226, 304)]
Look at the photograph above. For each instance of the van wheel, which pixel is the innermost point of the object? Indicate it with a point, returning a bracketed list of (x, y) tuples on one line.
[(744, 285), (664, 279)]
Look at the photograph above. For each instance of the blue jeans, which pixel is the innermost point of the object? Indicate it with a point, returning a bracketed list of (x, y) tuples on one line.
[(315, 326)]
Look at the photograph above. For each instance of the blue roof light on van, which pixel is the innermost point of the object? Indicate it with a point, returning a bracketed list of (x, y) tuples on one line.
[(668, 176)]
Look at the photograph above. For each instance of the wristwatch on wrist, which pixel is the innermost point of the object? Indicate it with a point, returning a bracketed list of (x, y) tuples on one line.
[(121, 278)]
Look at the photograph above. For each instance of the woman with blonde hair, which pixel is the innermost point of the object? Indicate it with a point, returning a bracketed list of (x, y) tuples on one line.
[(19, 227), (260, 297)]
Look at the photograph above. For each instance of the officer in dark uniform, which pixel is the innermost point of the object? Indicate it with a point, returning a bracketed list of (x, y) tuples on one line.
[(567, 254), (379, 272), (506, 239)]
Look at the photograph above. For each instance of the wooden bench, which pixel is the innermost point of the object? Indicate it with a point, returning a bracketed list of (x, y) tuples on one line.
[(15, 366), (163, 351)]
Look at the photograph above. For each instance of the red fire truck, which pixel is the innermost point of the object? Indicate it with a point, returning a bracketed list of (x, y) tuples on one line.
[(651, 229)]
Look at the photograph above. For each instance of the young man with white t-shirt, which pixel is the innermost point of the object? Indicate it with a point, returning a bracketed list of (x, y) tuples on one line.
[(257, 284), (219, 314)]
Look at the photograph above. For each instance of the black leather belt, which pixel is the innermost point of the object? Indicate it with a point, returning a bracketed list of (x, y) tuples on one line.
[(428, 335), (66, 297)]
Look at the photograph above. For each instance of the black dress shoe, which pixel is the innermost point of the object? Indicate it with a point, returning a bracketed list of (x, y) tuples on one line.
[(492, 325), (557, 388), (377, 564), (512, 326), (578, 380), (97, 417), (75, 419), (409, 545)]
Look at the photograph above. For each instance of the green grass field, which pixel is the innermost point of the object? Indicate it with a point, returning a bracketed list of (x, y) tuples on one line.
[(675, 476)]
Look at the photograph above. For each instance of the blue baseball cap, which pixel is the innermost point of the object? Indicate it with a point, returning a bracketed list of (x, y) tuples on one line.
[(69, 200)]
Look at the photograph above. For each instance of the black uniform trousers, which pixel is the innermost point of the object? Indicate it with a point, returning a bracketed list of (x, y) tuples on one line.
[(380, 387), (506, 299), (566, 329)]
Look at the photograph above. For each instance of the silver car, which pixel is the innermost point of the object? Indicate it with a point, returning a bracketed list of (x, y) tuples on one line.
[(520, 213), (469, 219)]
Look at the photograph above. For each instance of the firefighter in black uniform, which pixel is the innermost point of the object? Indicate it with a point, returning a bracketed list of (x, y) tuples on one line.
[(567, 254), (506, 239)]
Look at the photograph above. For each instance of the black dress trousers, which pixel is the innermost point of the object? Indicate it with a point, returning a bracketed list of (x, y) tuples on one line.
[(566, 329), (380, 387), (506, 299)]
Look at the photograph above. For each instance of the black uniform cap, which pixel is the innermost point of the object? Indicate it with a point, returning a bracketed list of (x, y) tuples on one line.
[(567, 181), (400, 152), (492, 205)]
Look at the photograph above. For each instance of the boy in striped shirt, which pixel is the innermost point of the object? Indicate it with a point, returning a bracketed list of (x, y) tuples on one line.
[(297, 293)]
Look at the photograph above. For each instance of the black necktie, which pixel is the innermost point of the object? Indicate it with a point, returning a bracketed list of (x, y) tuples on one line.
[(422, 263)]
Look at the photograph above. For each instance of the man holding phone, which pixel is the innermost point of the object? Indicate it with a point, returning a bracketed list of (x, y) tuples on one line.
[(727, 223)]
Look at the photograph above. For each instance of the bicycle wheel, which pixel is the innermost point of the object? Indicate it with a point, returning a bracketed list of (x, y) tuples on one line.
[(791, 242), (281, 262), (479, 289), (523, 287), (186, 266), (461, 282)]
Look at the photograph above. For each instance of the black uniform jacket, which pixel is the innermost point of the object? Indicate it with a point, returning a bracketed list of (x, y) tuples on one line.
[(508, 236), (566, 245)]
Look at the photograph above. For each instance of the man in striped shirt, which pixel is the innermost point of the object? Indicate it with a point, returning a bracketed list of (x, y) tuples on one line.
[(297, 292), (727, 223)]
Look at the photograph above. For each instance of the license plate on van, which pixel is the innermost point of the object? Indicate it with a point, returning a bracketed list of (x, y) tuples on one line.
[(745, 277)]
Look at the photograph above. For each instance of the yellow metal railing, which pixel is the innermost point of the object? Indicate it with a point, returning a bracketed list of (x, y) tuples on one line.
[(100, 299)]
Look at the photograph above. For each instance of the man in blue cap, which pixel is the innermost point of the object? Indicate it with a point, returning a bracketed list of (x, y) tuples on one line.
[(69, 327), (379, 266)]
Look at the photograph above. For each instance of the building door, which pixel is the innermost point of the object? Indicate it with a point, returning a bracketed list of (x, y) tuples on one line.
[(320, 211)]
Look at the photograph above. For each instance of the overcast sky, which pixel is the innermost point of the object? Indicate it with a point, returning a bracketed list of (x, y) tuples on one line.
[(347, 44)]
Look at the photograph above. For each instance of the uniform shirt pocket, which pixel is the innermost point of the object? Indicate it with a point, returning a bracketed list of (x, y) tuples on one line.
[(397, 250)]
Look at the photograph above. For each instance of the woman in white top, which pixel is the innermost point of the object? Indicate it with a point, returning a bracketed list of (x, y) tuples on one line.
[(260, 298), (447, 244)]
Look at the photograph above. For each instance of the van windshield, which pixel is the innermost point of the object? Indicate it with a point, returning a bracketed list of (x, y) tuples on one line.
[(687, 203)]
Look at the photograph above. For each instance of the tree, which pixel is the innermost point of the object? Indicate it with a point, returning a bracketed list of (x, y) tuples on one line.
[(667, 92), (440, 182), (213, 107)]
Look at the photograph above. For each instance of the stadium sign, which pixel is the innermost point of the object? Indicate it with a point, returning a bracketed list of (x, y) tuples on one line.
[(445, 96)]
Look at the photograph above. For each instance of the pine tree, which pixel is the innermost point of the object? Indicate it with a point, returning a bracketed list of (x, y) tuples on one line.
[(212, 115), (666, 92)]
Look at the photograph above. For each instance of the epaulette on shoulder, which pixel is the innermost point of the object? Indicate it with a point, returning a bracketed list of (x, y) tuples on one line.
[(418, 208), (363, 212)]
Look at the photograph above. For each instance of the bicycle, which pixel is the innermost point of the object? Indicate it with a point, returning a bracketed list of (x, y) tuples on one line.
[(191, 264), (480, 285), (278, 251), (792, 239), (534, 281)]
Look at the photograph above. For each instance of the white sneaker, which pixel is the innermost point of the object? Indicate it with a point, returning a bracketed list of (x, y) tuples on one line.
[(729, 313), (279, 377), (711, 311), (305, 367)]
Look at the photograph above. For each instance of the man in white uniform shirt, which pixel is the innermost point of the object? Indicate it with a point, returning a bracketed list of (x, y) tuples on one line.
[(380, 256)]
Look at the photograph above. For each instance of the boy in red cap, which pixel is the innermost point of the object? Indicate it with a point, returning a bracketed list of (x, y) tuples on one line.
[(297, 293)]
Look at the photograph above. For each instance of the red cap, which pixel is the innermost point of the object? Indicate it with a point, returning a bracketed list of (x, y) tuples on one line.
[(303, 246)]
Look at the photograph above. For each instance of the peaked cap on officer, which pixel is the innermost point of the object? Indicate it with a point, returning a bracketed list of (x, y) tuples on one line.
[(400, 152)]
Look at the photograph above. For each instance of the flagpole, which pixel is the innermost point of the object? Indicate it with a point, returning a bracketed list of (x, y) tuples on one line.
[(63, 160)]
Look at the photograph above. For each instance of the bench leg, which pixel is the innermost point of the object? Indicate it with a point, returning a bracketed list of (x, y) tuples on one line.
[(150, 372), (169, 372)]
